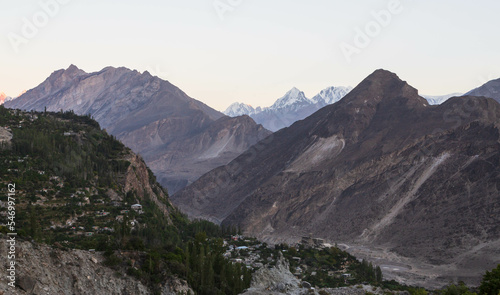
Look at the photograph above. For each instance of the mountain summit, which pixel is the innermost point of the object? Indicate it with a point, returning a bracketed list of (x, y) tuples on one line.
[(293, 106), (239, 109), (293, 97), (381, 167), (179, 137)]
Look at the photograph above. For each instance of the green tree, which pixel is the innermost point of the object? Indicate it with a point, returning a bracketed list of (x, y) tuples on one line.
[(378, 274), (490, 284)]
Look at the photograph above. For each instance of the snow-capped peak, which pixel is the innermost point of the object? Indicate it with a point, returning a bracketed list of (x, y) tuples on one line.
[(292, 97), (435, 100), (331, 95), (238, 109)]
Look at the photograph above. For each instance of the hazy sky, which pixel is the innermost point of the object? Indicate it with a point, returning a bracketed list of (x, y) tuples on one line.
[(254, 51)]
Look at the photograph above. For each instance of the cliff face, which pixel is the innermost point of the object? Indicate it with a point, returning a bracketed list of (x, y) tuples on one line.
[(138, 179), (41, 269), (151, 116)]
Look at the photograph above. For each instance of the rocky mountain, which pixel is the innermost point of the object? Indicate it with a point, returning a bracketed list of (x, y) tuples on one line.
[(293, 106), (96, 218), (172, 131), (381, 169), (489, 89), (439, 99)]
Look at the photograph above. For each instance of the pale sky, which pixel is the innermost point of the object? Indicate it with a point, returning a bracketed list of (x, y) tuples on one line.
[(253, 51)]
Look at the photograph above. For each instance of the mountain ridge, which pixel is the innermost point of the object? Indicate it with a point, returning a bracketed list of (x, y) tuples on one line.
[(489, 89), (149, 114), (365, 170)]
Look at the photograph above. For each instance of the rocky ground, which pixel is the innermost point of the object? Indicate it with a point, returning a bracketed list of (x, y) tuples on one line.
[(41, 270), (279, 280), (414, 272)]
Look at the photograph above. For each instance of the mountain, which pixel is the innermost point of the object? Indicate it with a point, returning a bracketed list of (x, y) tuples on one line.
[(171, 130), (239, 109), (381, 168), (435, 100), (4, 98), (293, 106), (293, 98), (91, 217), (489, 89), (331, 95)]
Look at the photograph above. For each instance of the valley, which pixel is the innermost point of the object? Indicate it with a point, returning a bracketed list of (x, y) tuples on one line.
[(376, 173), (230, 147)]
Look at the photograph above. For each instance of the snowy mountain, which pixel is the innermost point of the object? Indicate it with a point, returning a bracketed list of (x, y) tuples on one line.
[(434, 100), (331, 95), (238, 109), (285, 111), (292, 98)]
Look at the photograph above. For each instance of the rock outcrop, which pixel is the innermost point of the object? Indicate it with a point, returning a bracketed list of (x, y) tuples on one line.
[(5, 135), (275, 280)]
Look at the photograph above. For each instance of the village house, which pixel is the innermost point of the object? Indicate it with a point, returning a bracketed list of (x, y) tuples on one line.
[(136, 207)]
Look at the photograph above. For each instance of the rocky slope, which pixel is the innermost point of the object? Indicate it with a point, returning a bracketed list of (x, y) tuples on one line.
[(382, 168), (489, 89), (150, 115), (293, 106), (41, 269), (73, 187), (277, 279)]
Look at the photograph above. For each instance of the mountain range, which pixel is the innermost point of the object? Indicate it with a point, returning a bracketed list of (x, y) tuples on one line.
[(381, 167), (293, 106), (179, 137)]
